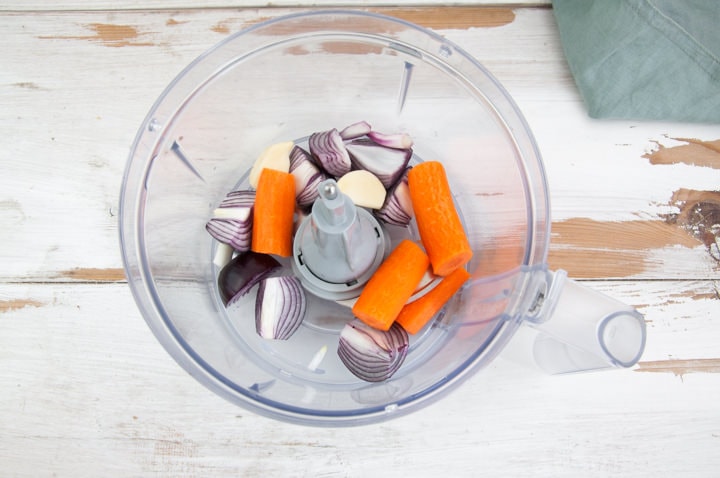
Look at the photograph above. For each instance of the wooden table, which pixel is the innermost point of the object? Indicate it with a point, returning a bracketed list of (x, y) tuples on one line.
[(86, 390)]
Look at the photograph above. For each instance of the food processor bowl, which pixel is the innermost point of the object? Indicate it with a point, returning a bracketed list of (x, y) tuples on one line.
[(281, 80)]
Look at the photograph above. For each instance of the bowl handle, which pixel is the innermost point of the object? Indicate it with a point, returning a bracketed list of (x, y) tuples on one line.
[(573, 328)]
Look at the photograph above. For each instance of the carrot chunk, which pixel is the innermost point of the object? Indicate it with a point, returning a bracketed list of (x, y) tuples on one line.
[(273, 216), (417, 313), (391, 285), (437, 219)]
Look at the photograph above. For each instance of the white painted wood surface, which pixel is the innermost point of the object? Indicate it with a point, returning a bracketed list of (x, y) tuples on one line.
[(88, 391)]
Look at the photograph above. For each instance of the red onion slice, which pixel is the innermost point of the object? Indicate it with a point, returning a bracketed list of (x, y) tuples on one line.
[(243, 197), (397, 208), (370, 354), (355, 130), (307, 176), (232, 221), (388, 164), (242, 273), (328, 149), (395, 140), (279, 307)]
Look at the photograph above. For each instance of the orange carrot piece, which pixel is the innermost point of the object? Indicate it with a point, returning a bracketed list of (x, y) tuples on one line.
[(273, 214), (391, 285), (438, 222), (417, 313)]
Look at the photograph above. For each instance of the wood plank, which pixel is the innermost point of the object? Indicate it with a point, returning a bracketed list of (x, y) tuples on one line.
[(84, 377), (77, 127), (47, 5)]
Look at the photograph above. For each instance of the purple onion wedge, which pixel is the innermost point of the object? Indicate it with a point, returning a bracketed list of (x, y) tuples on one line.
[(355, 130), (397, 208), (231, 222), (328, 150), (371, 354), (388, 164), (395, 140), (307, 176), (242, 273), (279, 307)]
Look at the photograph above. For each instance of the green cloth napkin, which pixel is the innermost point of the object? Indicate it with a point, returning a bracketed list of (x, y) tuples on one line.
[(644, 59)]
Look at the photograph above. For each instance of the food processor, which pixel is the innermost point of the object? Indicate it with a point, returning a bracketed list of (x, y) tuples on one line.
[(281, 80)]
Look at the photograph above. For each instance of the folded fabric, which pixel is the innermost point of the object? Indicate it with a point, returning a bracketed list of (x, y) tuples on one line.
[(644, 59)]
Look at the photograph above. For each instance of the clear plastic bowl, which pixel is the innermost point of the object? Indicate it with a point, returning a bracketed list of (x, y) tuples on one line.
[(282, 80)]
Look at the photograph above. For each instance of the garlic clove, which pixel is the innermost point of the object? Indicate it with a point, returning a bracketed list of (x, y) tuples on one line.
[(363, 188), (275, 156)]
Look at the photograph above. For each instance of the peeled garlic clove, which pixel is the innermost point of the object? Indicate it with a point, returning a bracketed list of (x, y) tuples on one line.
[(363, 188), (275, 156)]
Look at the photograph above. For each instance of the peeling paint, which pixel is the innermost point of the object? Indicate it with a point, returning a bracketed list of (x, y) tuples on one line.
[(680, 367), (109, 35), (698, 216), (349, 48), (695, 153), (15, 304), (595, 264), (93, 275), (587, 248), (440, 18), (297, 50), (221, 27), (626, 235), (455, 18), (693, 295), (171, 22), (683, 297)]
